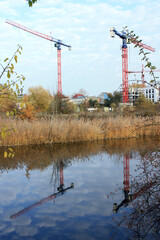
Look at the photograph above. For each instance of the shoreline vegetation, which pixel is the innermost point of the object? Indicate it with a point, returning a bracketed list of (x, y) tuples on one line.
[(70, 130)]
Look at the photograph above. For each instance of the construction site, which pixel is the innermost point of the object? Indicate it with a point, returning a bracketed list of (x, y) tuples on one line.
[(129, 89)]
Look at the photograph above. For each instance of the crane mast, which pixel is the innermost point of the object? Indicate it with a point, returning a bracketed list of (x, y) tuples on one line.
[(58, 44), (123, 36)]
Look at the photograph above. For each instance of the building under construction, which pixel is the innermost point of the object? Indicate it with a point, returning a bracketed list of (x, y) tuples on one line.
[(151, 93)]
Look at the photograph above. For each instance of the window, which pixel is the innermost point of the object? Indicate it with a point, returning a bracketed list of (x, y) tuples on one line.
[(152, 95), (152, 90), (149, 90), (146, 90), (149, 95)]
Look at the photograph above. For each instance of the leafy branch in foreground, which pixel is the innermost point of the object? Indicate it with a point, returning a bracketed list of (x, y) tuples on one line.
[(9, 91), (132, 37), (31, 2), (13, 84)]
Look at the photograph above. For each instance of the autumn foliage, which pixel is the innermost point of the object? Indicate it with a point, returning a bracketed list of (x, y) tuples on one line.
[(26, 110)]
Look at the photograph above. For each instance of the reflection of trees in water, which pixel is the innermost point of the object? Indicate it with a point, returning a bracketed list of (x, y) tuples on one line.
[(144, 202), (40, 157), (145, 218)]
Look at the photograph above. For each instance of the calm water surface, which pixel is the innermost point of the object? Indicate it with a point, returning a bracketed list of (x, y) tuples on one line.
[(68, 192)]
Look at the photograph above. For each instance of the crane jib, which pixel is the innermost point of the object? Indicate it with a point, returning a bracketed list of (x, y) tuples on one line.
[(45, 36)]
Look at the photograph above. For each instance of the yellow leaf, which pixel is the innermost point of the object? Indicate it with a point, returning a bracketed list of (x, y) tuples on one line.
[(5, 154), (8, 74), (7, 114), (15, 58), (10, 149)]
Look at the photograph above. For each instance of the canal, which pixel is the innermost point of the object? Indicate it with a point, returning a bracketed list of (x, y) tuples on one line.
[(97, 190)]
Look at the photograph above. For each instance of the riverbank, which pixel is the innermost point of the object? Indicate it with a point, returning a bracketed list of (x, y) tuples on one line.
[(58, 130)]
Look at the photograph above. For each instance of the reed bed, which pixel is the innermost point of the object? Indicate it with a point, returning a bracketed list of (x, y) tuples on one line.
[(77, 130)]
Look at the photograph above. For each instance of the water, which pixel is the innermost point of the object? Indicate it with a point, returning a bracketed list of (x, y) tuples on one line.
[(68, 192)]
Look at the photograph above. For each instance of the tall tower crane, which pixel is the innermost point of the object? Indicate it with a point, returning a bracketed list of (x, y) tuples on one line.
[(125, 41), (58, 44)]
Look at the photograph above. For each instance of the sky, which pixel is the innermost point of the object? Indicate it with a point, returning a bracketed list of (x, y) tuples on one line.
[(94, 63)]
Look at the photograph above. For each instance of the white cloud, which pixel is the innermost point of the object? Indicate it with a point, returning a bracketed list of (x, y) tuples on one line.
[(94, 62)]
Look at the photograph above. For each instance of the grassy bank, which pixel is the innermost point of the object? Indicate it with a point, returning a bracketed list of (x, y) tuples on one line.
[(77, 130)]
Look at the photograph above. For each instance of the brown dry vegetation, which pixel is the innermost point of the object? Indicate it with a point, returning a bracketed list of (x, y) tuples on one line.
[(77, 130)]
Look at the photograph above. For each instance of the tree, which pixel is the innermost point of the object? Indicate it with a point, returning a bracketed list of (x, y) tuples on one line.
[(93, 103), (8, 100), (117, 97), (40, 98), (9, 91), (68, 107), (113, 98), (144, 106), (26, 109)]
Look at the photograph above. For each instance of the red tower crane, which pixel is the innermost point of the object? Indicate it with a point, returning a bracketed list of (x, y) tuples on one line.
[(58, 44), (123, 36)]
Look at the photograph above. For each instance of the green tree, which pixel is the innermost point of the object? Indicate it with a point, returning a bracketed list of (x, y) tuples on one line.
[(93, 103), (116, 98), (144, 106), (107, 102)]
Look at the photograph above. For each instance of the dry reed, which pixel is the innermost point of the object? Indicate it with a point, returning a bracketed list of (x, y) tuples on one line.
[(77, 130)]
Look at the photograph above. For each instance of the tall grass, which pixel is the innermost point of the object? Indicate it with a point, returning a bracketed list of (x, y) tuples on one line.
[(77, 130)]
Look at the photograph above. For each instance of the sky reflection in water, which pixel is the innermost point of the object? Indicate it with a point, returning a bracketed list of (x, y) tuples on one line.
[(82, 212)]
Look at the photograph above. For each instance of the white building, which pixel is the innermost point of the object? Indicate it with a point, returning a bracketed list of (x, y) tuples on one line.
[(152, 93)]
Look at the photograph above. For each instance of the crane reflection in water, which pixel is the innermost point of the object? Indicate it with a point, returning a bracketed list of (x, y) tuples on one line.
[(60, 191), (142, 196)]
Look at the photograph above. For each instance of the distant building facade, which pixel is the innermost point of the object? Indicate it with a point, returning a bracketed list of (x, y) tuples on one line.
[(103, 96), (78, 99), (152, 94)]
